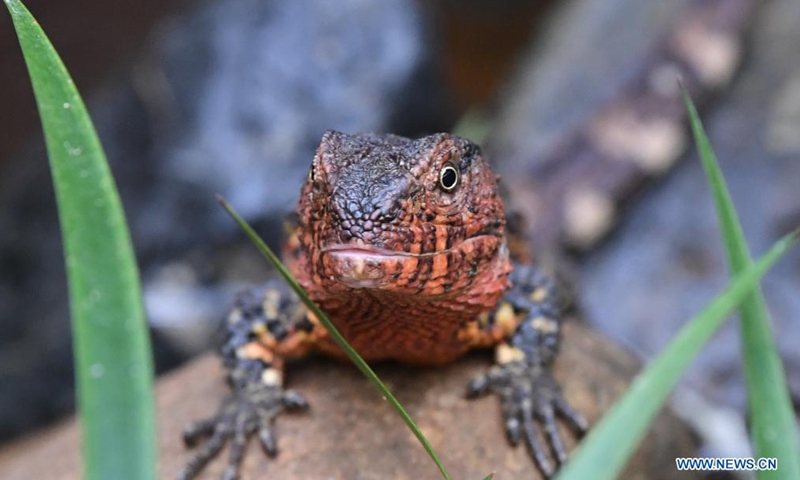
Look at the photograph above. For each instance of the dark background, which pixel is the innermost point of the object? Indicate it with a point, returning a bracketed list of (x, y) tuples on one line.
[(191, 98)]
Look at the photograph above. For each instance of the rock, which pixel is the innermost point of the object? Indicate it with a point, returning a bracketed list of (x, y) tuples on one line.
[(351, 433)]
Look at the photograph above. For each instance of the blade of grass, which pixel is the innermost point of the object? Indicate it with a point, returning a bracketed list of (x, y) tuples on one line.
[(607, 447), (474, 125), (111, 342), (771, 417), (337, 337)]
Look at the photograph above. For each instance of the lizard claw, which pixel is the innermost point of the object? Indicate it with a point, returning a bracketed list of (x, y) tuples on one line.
[(250, 410), (531, 399)]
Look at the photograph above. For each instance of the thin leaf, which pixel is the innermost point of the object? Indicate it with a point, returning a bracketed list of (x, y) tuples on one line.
[(337, 337), (111, 343), (607, 447), (474, 124), (771, 417)]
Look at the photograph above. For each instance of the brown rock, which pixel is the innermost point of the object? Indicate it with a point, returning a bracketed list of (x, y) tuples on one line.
[(351, 433)]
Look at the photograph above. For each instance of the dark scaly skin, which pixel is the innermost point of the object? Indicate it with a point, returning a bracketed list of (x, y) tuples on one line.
[(409, 270)]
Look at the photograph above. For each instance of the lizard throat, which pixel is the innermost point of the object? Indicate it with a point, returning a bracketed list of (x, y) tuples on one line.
[(421, 300)]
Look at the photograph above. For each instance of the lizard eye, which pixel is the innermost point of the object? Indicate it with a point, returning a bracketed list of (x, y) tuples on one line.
[(448, 177)]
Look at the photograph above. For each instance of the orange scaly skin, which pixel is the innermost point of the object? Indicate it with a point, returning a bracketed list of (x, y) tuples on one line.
[(402, 243)]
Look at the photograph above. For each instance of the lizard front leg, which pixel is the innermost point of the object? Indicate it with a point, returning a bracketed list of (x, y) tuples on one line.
[(528, 324), (266, 327)]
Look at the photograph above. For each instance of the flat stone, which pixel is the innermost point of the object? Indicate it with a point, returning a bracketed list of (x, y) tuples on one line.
[(351, 433)]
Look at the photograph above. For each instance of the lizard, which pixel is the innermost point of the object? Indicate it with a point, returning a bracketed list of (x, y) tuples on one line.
[(403, 244), (520, 318)]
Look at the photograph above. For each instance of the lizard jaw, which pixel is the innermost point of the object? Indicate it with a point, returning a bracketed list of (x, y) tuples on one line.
[(358, 266)]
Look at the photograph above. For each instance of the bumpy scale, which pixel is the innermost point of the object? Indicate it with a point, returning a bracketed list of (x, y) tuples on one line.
[(388, 224)]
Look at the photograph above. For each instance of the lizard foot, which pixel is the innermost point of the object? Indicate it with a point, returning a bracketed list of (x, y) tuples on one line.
[(529, 392), (249, 410)]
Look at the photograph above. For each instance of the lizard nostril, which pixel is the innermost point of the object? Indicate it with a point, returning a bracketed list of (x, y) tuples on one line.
[(389, 215), (385, 211)]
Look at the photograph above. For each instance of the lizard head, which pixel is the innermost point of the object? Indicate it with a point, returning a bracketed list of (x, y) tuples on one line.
[(384, 212)]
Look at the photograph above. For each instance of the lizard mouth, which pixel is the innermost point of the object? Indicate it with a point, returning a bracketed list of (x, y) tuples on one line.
[(356, 250), (370, 267), (350, 250)]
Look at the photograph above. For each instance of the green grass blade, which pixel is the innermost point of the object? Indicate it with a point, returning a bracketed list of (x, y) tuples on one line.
[(771, 416), (474, 124), (337, 337), (111, 342), (604, 451)]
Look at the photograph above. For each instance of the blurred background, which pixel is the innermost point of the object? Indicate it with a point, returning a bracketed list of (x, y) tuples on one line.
[(192, 98)]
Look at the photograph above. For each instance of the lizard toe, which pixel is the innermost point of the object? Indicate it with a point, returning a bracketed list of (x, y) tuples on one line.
[(207, 451), (478, 386), (193, 432), (294, 401), (575, 417), (535, 448), (546, 415), (269, 444)]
